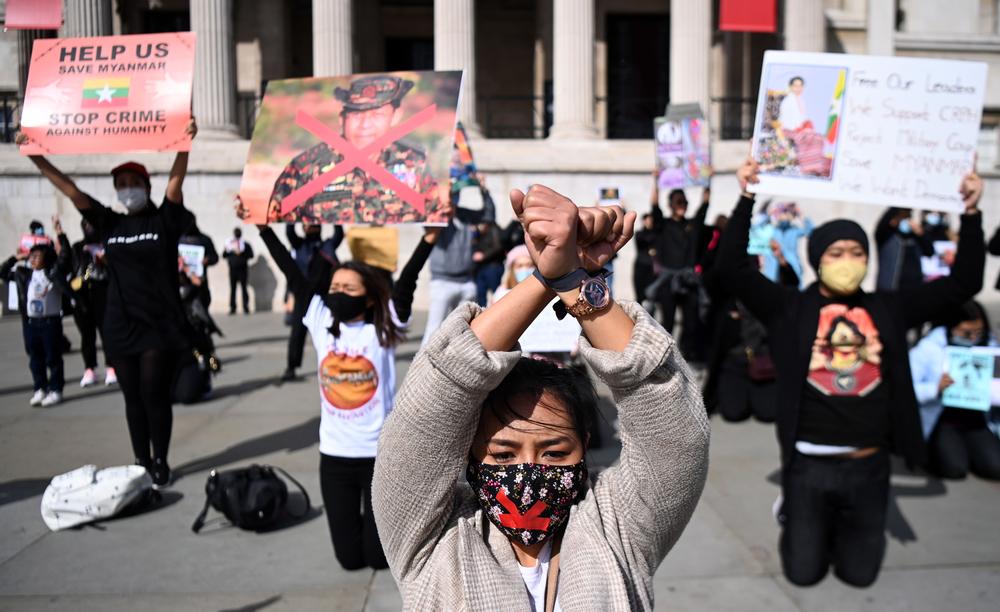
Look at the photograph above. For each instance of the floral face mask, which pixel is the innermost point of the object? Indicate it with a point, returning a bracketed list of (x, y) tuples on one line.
[(528, 502)]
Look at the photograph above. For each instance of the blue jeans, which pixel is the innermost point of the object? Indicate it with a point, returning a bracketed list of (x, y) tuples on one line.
[(43, 341)]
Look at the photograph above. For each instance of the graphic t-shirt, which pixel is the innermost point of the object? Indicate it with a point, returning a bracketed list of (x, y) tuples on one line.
[(44, 298), (143, 309), (357, 383), (845, 401)]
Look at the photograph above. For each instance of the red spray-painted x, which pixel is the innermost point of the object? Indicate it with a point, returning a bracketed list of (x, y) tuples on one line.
[(528, 520), (357, 158)]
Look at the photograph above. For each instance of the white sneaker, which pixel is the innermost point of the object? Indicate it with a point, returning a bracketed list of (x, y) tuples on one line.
[(88, 379), (36, 399), (110, 378), (53, 398)]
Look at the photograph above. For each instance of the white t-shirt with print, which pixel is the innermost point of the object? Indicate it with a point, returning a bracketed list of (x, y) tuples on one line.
[(44, 298), (357, 383), (536, 577)]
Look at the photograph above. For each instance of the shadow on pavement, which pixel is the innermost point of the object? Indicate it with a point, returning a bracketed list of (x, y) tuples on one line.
[(294, 438), (247, 386), (156, 500), (24, 488), (260, 605), (26, 389), (249, 341)]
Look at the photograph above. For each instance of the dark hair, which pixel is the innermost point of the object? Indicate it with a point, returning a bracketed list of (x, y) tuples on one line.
[(238, 232), (35, 225), (533, 377), (48, 254), (851, 325), (796, 78), (674, 192), (378, 314), (969, 311)]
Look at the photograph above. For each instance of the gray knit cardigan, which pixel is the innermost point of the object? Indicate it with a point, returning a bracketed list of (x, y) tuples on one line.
[(443, 552)]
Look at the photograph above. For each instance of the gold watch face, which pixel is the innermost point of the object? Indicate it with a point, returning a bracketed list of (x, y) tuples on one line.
[(595, 293)]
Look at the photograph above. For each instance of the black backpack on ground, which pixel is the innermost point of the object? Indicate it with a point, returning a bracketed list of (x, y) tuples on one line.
[(252, 498)]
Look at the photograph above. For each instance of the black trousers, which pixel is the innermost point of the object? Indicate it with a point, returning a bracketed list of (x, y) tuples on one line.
[(89, 315), (961, 443), (43, 341), (834, 514), (145, 379), (739, 397), (238, 276), (668, 302), (346, 484)]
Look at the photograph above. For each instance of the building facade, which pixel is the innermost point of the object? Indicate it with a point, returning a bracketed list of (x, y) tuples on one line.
[(561, 92)]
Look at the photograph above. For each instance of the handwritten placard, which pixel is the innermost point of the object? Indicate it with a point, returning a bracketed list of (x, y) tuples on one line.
[(876, 130), (194, 258), (972, 373)]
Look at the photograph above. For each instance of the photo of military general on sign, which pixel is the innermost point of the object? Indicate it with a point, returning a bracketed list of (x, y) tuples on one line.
[(371, 148)]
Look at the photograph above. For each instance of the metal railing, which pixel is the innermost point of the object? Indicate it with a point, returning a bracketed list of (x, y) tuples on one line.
[(735, 117), (515, 116), (10, 107)]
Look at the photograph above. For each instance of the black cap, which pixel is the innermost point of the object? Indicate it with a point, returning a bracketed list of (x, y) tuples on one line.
[(35, 225), (830, 232)]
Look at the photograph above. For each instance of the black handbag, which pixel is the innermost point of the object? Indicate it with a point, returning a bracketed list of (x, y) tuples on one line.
[(252, 498)]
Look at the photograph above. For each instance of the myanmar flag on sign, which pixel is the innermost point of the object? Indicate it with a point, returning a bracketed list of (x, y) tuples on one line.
[(833, 119), (105, 92)]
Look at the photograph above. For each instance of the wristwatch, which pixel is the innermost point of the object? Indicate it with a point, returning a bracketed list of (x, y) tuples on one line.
[(595, 295)]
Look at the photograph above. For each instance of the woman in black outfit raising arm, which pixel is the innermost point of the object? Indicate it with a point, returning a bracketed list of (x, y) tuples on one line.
[(845, 394), (144, 325)]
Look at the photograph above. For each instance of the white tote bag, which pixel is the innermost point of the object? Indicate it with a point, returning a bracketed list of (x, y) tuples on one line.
[(88, 494)]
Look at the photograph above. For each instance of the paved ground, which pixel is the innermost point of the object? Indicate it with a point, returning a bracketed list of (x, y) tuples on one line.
[(944, 552)]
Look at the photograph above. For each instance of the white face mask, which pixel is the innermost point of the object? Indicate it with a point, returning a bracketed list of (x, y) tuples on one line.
[(133, 198)]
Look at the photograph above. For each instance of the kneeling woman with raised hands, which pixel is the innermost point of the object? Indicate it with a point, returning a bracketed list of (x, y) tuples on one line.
[(532, 529)]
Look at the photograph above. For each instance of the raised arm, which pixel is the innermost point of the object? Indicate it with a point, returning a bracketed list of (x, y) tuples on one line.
[(406, 284), (929, 300), (654, 489), (282, 258), (175, 182), (762, 297), (60, 181)]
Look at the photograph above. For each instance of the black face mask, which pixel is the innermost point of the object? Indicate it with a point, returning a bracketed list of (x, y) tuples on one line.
[(345, 307)]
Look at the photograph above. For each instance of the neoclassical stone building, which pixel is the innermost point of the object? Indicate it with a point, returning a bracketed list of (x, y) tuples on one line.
[(561, 92)]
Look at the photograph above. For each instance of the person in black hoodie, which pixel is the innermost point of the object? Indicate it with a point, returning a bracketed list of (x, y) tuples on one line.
[(90, 292), (845, 395)]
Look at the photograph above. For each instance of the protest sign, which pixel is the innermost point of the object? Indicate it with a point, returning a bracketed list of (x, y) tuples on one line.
[(352, 149), (110, 93), (194, 258), (972, 371), (938, 264), (683, 156), (608, 196), (547, 334), (876, 130), (29, 240), (761, 235), (463, 165)]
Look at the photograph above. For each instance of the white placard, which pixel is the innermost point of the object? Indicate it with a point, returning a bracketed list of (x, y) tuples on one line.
[(547, 334), (877, 130), (194, 256)]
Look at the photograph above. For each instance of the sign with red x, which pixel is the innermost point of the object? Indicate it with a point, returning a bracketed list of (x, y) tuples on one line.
[(370, 148)]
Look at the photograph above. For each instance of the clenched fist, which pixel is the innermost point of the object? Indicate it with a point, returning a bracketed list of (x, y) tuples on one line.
[(562, 237)]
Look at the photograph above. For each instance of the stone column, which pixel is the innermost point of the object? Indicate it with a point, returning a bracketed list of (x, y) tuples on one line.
[(333, 41), (25, 42), (805, 26), (455, 49), (690, 52), (573, 69), (214, 68), (87, 18), (881, 27)]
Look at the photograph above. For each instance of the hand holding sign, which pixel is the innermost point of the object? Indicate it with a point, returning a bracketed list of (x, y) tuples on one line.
[(971, 190)]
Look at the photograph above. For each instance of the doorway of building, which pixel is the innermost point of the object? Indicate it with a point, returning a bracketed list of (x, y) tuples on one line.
[(638, 73), (409, 54)]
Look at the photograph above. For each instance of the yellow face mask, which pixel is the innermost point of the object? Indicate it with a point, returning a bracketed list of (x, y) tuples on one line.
[(843, 277)]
